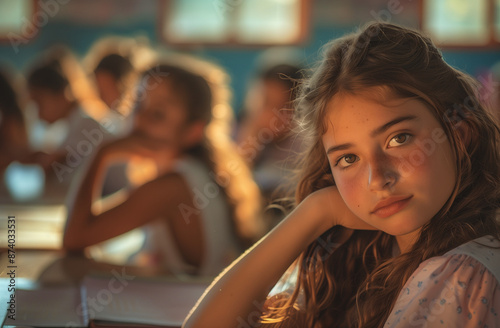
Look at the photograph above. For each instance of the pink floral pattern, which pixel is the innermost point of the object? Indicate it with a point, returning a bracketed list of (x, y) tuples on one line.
[(459, 289)]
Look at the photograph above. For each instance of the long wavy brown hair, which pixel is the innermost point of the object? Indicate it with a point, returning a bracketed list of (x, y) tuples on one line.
[(356, 283)]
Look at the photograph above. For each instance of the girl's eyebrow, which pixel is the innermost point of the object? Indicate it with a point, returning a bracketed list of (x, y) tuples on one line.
[(374, 133), (387, 125), (339, 147)]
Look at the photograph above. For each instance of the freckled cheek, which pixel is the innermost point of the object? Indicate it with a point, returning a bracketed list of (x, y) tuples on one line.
[(351, 193), (429, 170), (414, 164)]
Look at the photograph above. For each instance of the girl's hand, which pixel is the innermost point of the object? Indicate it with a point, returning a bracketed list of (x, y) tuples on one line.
[(333, 211)]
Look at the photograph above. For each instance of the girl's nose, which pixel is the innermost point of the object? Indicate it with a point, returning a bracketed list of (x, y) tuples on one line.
[(381, 173)]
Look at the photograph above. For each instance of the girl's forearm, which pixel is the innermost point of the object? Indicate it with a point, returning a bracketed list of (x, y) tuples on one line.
[(242, 288), (80, 210)]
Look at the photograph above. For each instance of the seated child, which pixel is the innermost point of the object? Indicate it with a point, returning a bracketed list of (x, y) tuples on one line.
[(199, 199)]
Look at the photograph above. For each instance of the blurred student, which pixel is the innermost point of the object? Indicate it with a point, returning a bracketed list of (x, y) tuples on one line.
[(264, 135), (13, 137), (65, 136), (111, 75), (115, 78), (199, 203), (17, 182), (114, 64)]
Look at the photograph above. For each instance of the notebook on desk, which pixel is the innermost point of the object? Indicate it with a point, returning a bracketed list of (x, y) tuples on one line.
[(108, 302)]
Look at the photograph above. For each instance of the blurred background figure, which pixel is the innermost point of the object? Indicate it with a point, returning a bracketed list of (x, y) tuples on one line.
[(199, 205), (13, 137), (114, 63), (14, 145), (115, 77), (264, 135), (112, 75), (64, 127)]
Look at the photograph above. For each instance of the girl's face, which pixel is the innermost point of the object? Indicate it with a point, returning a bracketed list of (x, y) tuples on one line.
[(108, 89), (162, 115), (52, 106), (391, 161), (266, 101)]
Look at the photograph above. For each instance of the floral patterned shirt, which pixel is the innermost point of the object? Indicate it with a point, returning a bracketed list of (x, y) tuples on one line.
[(459, 289)]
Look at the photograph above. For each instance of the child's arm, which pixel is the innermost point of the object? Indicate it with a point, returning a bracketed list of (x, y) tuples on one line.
[(149, 201), (243, 287)]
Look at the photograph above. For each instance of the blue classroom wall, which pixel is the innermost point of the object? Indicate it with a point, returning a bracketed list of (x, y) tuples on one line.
[(239, 62)]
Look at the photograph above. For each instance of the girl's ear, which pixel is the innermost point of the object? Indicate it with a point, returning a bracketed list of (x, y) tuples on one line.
[(465, 132), (195, 133), (463, 125)]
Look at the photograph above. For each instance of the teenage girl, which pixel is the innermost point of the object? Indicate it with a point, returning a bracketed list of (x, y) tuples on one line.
[(200, 200), (396, 223)]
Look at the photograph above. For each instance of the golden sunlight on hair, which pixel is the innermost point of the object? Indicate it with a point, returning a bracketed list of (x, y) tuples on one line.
[(243, 191), (80, 87), (136, 50)]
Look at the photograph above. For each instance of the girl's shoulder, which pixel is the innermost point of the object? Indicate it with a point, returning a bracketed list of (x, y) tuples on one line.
[(485, 250), (196, 173), (458, 289)]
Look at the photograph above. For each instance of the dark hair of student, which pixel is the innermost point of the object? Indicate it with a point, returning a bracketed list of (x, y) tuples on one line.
[(118, 66), (48, 76)]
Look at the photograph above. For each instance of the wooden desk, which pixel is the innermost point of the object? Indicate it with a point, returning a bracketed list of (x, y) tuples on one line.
[(40, 265), (41, 226), (37, 226), (54, 269)]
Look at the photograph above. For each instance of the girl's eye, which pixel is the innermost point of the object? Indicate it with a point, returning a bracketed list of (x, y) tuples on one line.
[(346, 160), (399, 139)]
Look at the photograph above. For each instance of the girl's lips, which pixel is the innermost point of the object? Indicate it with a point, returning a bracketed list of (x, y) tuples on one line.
[(391, 206)]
